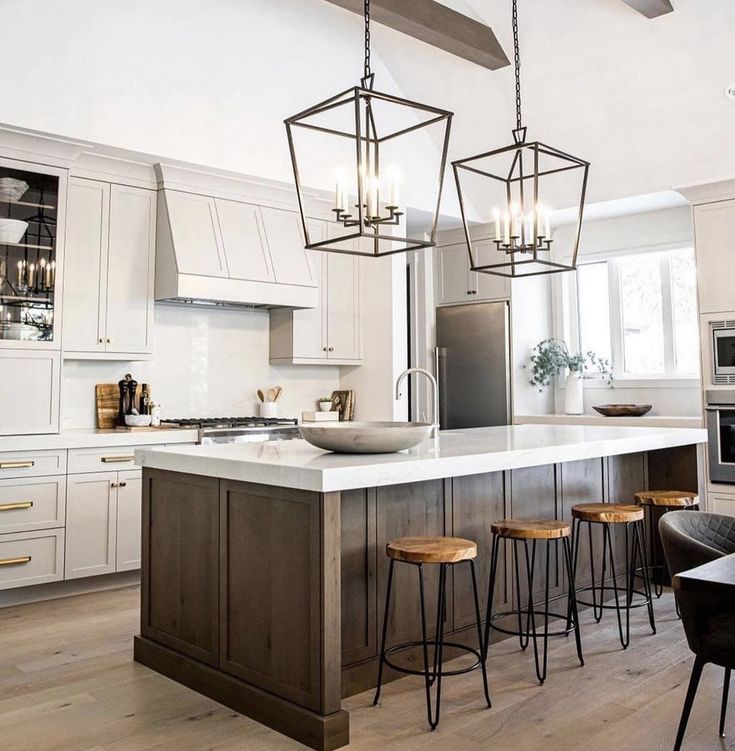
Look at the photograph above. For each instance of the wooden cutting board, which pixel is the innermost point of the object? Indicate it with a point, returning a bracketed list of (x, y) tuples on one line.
[(107, 397)]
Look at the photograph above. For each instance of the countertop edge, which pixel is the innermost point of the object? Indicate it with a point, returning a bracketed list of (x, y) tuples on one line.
[(378, 474)]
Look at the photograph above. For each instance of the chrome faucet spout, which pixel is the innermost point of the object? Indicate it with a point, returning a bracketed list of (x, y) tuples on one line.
[(435, 394)]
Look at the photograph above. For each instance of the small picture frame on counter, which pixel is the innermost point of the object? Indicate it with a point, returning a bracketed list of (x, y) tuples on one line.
[(343, 402)]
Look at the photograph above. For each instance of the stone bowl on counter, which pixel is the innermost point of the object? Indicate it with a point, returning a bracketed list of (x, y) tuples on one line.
[(366, 437)]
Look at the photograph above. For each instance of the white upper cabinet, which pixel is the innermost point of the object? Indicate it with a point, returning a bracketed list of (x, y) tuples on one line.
[(456, 283), (130, 270), (196, 234), (713, 229), (88, 218), (244, 241), (343, 306), (108, 290), (286, 245), (331, 333), (29, 397)]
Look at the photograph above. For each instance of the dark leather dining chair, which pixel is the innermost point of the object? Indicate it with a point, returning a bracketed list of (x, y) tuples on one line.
[(691, 539)]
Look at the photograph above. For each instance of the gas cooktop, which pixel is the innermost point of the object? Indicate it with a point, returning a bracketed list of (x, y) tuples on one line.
[(228, 422)]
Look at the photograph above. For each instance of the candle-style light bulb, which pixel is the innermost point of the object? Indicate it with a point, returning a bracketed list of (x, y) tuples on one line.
[(394, 186), (496, 219), (20, 272), (547, 224), (53, 273), (506, 223)]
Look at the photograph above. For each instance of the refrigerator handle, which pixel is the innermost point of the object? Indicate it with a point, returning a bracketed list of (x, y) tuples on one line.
[(440, 355)]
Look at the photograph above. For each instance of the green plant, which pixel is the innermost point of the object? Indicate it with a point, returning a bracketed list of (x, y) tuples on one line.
[(550, 356), (325, 399)]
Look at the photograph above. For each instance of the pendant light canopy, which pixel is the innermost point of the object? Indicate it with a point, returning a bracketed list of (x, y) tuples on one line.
[(380, 152), (506, 198)]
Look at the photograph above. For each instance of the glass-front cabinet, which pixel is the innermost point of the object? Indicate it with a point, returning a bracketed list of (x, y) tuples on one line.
[(31, 239)]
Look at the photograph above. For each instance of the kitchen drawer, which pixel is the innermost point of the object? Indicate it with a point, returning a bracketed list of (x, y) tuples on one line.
[(31, 558), (32, 503), (109, 459), (32, 463), (719, 503)]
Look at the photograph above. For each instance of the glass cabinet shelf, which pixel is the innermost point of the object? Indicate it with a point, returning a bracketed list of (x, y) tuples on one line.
[(28, 231)]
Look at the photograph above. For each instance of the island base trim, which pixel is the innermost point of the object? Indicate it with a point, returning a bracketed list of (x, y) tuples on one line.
[(320, 732)]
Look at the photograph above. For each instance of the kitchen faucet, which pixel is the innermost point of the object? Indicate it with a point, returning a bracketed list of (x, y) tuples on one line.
[(432, 380)]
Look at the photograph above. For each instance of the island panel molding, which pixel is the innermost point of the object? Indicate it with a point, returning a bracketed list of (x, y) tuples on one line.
[(277, 615)]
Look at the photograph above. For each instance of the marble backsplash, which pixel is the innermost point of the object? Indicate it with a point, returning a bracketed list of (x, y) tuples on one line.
[(206, 363)]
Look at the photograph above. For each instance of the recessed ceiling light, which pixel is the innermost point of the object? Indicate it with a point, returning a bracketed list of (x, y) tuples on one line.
[(730, 91)]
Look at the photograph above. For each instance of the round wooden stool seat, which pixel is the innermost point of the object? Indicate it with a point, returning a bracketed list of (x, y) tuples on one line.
[(531, 529), (431, 549), (667, 498), (609, 513)]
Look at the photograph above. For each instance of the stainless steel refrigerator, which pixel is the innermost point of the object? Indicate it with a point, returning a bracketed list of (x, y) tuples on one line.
[(473, 365)]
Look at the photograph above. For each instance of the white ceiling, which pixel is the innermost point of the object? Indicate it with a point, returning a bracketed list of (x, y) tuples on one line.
[(642, 100)]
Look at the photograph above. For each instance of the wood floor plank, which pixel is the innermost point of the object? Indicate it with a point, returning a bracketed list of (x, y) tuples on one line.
[(68, 683)]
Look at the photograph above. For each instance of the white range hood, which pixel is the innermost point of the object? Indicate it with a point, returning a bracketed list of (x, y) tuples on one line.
[(224, 240)]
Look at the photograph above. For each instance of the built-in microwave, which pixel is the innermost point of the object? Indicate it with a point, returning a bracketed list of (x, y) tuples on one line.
[(723, 351)]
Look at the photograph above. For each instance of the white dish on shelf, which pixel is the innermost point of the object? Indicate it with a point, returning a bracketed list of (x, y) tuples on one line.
[(11, 189), (138, 421), (12, 230)]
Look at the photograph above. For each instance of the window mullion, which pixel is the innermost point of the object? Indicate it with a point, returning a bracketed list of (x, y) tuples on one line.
[(667, 310), (616, 319)]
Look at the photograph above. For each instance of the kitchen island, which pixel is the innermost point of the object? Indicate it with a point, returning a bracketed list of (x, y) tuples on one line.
[(264, 570)]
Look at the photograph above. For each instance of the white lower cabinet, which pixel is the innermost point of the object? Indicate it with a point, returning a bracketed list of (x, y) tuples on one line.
[(129, 497), (719, 503), (91, 521), (103, 519), (28, 558)]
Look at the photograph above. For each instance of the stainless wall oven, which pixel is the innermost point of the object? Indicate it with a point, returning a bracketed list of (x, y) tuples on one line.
[(721, 435), (723, 351)]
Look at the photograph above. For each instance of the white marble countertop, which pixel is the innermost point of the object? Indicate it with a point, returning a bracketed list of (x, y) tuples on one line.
[(297, 464), (89, 438), (648, 421)]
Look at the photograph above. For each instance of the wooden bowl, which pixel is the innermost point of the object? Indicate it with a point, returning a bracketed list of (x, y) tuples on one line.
[(622, 410)]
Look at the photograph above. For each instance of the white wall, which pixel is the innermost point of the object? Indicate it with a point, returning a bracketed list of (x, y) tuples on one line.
[(206, 363)]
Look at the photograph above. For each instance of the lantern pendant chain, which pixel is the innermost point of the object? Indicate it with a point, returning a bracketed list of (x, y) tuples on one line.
[(368, 75)]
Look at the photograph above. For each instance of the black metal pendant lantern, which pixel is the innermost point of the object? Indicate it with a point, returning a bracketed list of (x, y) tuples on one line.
[(506, 197), (364, 143)]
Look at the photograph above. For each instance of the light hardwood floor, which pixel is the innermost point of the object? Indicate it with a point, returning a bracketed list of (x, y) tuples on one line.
[(68, 683)]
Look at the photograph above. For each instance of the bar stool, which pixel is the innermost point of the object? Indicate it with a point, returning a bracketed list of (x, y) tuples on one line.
[(517, 531), (444, 552), (655, 504), (607, 515)]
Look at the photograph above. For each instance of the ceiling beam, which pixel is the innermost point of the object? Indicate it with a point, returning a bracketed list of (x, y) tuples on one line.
[(651, 8), (435, 24)]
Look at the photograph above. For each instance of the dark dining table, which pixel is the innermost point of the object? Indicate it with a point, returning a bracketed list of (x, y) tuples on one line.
[(716, 578)]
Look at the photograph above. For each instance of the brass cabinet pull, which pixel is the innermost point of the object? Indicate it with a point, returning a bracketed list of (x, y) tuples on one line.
[(17, 465), (114, 459), (15, 561), (16, 506)]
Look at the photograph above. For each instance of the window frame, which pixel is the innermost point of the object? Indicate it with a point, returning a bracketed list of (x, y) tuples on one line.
[(568, 293)]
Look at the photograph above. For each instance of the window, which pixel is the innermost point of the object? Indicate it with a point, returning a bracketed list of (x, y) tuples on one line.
[(640, 312)]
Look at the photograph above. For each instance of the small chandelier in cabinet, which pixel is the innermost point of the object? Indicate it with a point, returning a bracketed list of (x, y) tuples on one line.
[(379, 152), (506, 197)]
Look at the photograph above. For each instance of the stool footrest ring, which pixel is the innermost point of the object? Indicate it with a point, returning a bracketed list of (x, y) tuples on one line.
[(397, 648), (524, 614), (622, 594)]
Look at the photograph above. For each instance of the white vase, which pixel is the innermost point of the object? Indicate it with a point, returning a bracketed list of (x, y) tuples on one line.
[(574, 394)]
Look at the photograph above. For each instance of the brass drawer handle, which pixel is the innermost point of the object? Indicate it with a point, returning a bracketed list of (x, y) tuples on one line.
[(17, 465), (115, 459), (18, 505), (15, 561)]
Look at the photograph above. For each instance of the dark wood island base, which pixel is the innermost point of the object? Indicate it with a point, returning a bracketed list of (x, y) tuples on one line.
[(268, 599)]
